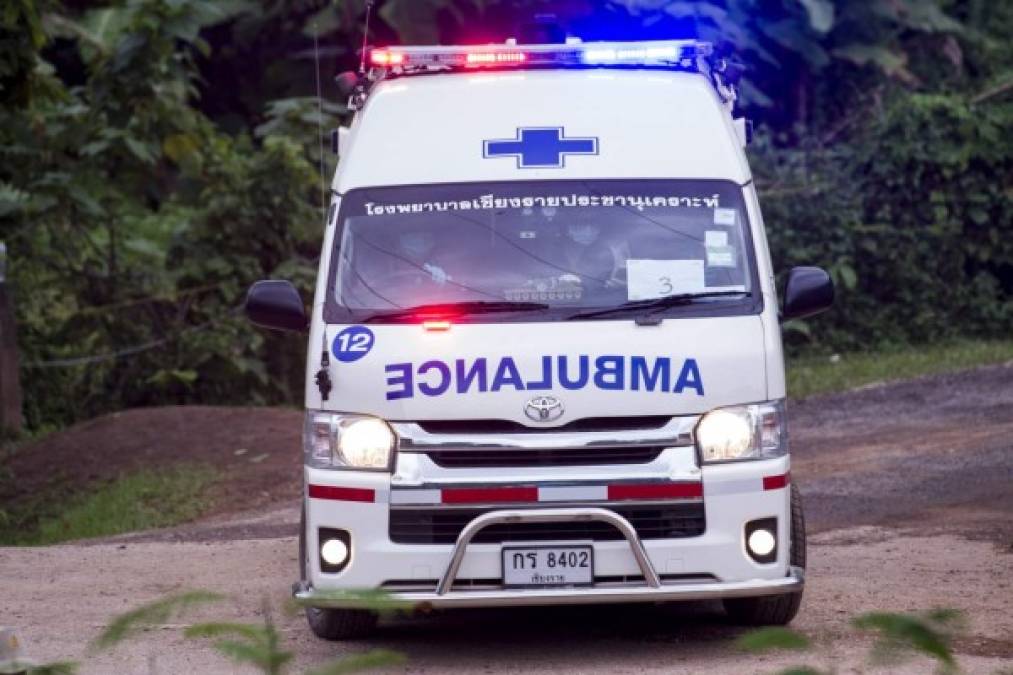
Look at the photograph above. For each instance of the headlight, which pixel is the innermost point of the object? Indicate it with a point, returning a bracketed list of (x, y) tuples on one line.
[(337, 441), (742, 432)]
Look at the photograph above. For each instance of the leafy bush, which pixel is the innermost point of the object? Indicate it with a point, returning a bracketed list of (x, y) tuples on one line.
[(911, 217), (135, 225)]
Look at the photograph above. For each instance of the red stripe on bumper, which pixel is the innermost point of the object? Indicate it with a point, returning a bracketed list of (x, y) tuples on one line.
[(776, 482), (656, 491), (342, 494), (489, 495)]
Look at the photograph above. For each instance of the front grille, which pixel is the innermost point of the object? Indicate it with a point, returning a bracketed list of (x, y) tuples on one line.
[(494, 426), (443, 525), (506, 457)]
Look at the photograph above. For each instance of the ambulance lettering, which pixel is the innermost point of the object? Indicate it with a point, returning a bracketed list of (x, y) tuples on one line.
[(607, 372)]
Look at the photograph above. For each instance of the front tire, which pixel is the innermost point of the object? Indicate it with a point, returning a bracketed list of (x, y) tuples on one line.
[(775, 610), (332, 624)]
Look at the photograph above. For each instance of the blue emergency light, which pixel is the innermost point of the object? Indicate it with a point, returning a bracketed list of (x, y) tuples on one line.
[(660, 53)]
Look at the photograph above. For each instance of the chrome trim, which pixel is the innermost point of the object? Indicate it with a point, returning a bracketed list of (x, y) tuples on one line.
[(439, 506), (415, 469), (794, 582), (546, 516), (677, 432)]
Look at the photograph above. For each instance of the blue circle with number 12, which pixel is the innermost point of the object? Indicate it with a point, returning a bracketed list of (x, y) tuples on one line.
[(352, 343)]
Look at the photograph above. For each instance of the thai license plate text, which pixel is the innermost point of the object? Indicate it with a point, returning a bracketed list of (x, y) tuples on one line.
[(548, 565)]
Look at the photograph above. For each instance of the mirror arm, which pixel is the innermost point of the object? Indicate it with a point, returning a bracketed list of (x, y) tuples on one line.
[(323, 377)]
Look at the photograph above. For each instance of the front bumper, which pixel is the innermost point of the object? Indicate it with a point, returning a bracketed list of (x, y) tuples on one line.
[(672, 591), (651, 589)]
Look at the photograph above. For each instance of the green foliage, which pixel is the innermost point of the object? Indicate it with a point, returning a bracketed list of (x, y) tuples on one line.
[(55, 668), (151, 614), (812, 374), (911, 218), (130, 275), (376, 658), (257, 645), (260, 646), (898, 637), (772, 637), (375, 599), (138, 501), (928, 634)]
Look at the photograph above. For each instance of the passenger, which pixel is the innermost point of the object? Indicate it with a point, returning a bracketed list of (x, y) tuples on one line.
[(418, 248), (399, 268)]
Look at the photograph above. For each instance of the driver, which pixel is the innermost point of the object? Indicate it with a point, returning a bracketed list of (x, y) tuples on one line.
[(589, 259)]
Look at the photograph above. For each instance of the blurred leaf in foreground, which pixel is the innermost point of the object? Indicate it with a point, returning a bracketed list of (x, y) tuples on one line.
[(256, 645), (803, 670), (153, 613), (377, 658), (765, 639), (929, 634), (55, 668)]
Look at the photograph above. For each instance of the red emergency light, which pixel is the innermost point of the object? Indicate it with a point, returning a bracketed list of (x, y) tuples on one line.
[(384, 58), (436, 318), (403, 60), (484, 58)]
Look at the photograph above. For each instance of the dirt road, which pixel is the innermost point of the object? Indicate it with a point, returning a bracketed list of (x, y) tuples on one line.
[(909, 495)]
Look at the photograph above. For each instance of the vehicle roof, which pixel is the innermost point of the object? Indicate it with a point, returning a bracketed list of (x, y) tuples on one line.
[(649, 124)]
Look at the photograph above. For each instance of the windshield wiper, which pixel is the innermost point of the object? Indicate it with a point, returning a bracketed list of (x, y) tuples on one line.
[(440, 310), (649, 307)]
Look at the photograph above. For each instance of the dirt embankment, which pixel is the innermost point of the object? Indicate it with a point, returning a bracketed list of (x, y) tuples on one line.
[(257, 451)]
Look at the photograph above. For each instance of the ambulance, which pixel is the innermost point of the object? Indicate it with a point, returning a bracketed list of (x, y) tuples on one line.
[(545, 361)]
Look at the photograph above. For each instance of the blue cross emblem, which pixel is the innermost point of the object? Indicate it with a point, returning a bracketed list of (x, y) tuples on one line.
[(540, 147)]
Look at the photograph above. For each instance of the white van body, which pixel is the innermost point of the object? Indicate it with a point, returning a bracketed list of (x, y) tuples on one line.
[(467, 395)]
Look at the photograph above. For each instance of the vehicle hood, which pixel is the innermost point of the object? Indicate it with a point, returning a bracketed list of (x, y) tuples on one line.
[(493, 371)]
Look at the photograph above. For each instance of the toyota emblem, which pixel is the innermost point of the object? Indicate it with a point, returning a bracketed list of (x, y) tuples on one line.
[(544, 408)]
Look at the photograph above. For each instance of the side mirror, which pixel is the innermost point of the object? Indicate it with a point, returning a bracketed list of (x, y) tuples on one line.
[(809, 291), (276, 304)]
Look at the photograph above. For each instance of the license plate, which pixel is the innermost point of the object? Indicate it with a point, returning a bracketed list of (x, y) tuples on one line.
[(548, 565)]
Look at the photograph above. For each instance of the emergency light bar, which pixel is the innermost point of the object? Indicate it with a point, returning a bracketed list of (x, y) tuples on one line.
[(659, 53)]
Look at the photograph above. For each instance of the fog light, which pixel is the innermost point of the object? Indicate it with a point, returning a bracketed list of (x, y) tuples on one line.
[(335, 549), (335, 552), (761, 540), (761, 543)]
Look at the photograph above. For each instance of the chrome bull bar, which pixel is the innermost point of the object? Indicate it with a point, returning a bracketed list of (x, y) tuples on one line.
[(547, 516), (652, 591)]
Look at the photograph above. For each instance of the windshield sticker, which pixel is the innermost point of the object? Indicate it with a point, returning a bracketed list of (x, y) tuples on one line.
[(715, 238), (721, 256), (352, 343), (481, 375), (724, 217), (492, 202), (650, 279)]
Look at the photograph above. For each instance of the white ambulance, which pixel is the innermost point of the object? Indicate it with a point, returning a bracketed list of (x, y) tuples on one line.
[(545, 361)]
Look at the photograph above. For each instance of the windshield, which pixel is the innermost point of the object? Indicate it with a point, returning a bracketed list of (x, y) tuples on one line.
[(553, 248)]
